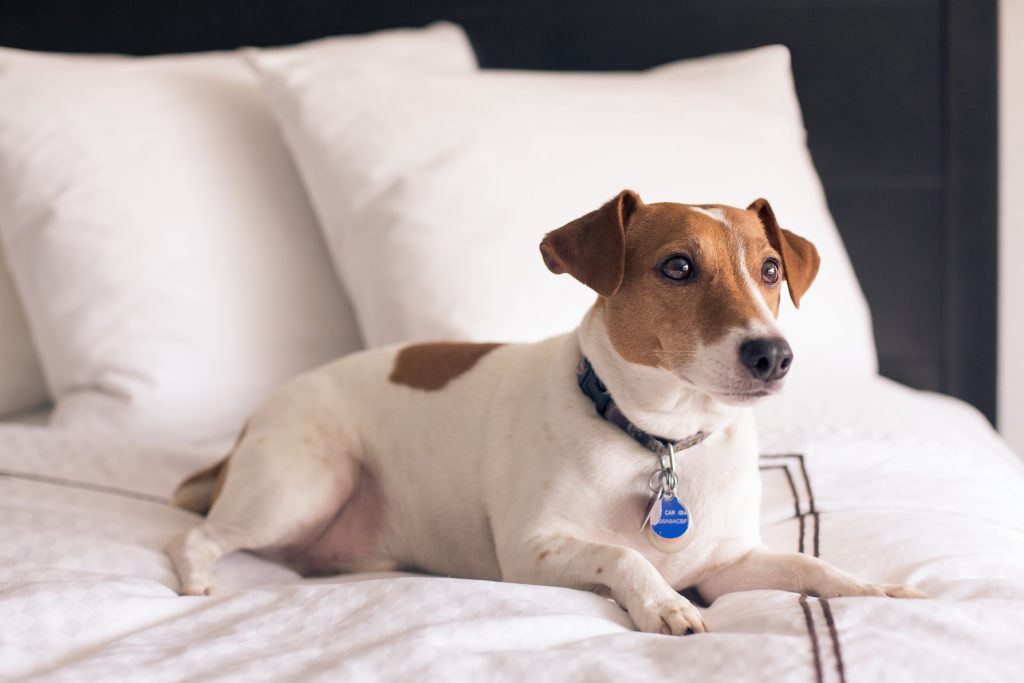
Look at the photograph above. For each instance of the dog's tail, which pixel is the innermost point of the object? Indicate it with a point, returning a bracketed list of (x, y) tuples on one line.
[(199, 492)]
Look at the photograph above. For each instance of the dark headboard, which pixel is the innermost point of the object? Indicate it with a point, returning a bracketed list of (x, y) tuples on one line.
[(899, 98)]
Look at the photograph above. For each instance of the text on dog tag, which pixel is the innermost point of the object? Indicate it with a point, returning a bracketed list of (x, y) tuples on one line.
[(666, 523)]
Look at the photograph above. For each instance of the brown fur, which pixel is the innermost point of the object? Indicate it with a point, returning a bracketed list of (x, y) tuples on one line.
[(800, 260), (591, 248), (432, 366), (657, 322)]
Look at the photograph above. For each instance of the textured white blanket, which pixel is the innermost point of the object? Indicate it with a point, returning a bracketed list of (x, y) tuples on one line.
[(887, 483)]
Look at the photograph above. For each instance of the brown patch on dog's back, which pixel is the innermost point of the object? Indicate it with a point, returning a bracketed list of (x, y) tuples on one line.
[(432, 366)]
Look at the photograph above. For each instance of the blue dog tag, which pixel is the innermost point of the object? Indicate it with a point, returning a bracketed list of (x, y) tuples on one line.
[(669, 522)]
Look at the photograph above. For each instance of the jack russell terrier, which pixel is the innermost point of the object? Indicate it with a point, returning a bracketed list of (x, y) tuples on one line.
[(621, 457)]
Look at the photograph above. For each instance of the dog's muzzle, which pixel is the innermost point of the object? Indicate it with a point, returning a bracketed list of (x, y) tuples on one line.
[(767, 359)]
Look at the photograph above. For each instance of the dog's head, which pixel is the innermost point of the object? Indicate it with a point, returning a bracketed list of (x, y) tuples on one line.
[(691, 289)]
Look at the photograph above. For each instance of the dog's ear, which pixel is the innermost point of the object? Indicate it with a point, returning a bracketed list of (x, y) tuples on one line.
[(800, 259), (593, 248)]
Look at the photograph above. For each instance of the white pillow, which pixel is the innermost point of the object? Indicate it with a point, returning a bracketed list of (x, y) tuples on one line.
[(170, 264), (22, 385), (21, 379), (435, 189)]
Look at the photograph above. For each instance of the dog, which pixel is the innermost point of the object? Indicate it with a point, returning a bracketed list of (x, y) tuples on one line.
[(621, 457)]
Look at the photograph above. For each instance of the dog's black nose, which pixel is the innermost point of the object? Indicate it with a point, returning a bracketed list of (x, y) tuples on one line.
[(767, 359)]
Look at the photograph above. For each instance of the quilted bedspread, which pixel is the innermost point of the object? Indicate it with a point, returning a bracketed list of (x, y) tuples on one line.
[(891, 484)]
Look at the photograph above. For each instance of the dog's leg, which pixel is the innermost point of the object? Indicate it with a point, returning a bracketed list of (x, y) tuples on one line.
[(795, 572), (632, 581), (283, 486), (193, 554)]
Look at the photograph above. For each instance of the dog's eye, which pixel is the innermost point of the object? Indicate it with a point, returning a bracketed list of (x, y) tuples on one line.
[(679, 268), (770, 271)]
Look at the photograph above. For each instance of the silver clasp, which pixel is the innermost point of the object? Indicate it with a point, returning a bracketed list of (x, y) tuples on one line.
[(663, 480)]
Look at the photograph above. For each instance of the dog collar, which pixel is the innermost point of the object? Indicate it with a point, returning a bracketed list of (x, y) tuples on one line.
[(596, 391)]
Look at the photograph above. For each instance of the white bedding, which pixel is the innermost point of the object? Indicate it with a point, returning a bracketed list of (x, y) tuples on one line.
[(885, 482)]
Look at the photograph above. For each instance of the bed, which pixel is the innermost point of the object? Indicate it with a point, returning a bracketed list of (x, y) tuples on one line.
[(892, 483), (881, 480)]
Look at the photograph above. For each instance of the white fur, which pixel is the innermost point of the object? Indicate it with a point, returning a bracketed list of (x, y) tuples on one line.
[(764, 325), (718, 370), (716, 214), (507, 474)]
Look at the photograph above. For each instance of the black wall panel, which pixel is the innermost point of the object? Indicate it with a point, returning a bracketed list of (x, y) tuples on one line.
[(899, 98)]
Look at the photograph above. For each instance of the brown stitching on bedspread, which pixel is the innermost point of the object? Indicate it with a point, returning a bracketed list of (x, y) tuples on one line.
[(834, 634), (826, 608), (796, 501), (812, 632), (813, 508), (812, 511)]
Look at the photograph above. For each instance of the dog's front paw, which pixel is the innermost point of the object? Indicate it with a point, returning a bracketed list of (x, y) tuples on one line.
[(897, 590), (674, 616), (196, 578), (882, 590)]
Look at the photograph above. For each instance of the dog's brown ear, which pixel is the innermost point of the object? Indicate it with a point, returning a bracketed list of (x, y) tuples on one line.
[(800, 259), (593, 248)]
